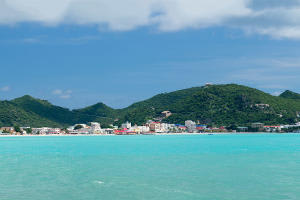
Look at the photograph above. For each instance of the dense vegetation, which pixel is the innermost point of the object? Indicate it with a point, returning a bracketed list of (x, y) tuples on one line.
[(227, 105), (290, 95), (219, 105)]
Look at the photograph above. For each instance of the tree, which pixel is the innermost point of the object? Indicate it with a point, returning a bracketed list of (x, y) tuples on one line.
[(28, 130), (17, 129), (78, 127), (232, 127), (5, 131)]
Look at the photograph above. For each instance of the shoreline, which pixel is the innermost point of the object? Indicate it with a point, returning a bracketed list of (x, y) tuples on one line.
[(156, 134)]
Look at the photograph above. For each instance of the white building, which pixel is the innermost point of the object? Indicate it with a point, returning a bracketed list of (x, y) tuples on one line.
[(144, 129), (96, 128), (140, 129), (54, 131), (191, 126), (126, 125), (40, 131), (108, 131), (46, 131)]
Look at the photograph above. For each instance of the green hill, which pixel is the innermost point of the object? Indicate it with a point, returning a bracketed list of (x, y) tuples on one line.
[(290, 95), (29, 111), (215, 104), (98, 113), (11, 114), (44, 109)]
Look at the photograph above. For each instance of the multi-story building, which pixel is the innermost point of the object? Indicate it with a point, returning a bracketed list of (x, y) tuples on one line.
[(126, 125), (191, 126), (96, 128), (155, 127), (54, 131), (40, 131)]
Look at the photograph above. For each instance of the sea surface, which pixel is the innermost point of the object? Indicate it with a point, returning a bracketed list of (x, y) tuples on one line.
[(208, 167)]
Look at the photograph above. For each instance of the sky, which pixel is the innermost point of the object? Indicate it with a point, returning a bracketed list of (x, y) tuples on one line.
[(76, 53)]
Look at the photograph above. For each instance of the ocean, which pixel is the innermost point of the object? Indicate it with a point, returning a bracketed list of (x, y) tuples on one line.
[(184, 167)]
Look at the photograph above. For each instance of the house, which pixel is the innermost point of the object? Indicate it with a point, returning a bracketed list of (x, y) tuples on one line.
[(242, 129), (166, 114), (181, 128), (262, 105), (7, 129), (3, 133), (272, 128), (257, 125)]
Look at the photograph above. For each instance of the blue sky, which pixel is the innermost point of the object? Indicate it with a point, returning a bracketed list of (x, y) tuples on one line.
[(77, 60)]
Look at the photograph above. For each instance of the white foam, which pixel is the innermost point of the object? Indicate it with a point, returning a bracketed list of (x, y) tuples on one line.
[(99, 182)]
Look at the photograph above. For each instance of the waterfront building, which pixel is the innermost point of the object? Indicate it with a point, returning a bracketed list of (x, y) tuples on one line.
[(180, 128), (96, 128), (7, 129), (272, 128), (201, 128), (40, 131), (108, 131), (85, 131), (54, 131), (242, 129), (155, 127), (3, 133), (191, 126), (257, 125), (144, 129), (126, 125)]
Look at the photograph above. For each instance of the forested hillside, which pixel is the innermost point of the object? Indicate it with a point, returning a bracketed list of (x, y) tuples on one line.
[(214, 104)]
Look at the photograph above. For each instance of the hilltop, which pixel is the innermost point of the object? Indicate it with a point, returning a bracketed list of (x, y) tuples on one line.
[(290, 95), (214, 104)]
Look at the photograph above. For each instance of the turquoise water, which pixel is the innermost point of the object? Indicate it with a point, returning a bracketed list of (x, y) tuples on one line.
[(227, 167)]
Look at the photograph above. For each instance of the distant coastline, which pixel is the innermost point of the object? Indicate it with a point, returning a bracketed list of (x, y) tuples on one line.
[(156, 134)]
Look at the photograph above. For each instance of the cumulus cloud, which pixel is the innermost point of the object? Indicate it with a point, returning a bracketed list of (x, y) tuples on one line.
[(277, 18), (63, 94), (277, 93), (5, 89)]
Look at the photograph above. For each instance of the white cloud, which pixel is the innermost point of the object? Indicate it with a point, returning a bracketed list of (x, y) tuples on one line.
[(30, 40), (5, 89), (277, 18), (63, 94), (277, 93), (57, 92)]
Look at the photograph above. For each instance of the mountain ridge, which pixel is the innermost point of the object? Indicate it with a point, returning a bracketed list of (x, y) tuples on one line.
[(212, 104)]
